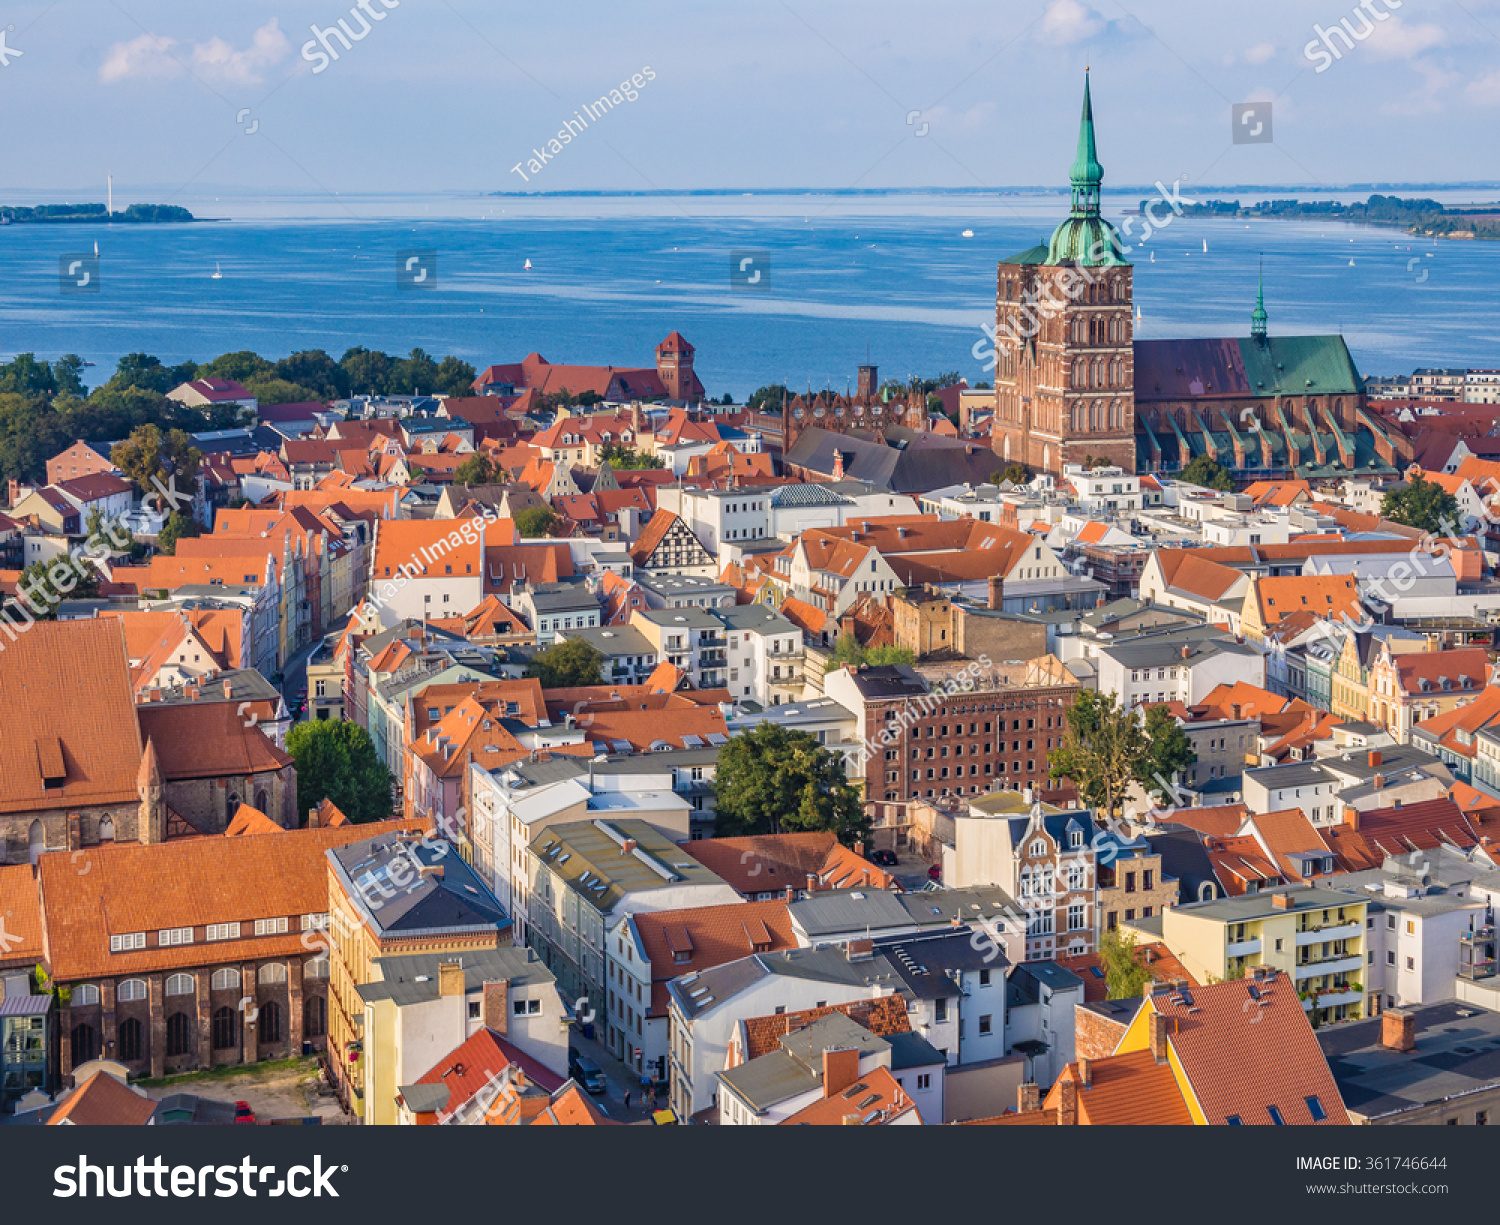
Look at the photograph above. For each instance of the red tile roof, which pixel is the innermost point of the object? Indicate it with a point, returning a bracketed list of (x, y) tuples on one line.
[(1125, 1090), (103, 1101), (678, 942), (765, 863), (477, 1063), (875, 1099)]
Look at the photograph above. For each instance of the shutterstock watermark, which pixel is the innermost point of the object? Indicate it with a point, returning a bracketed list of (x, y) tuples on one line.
[(320, 49), (1250, 123), (1325, 48), (155, 1178), (626, 91)]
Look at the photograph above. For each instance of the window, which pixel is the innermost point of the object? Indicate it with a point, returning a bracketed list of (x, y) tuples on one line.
[(130, 1041), (1316, 1108), (180, 984), (1275, 1113), (315, 922), (1234, 1120), (127, 943), (924, 1080), (85, 1041), (272, 972), (269, 1020), (85, 993), (315, 967), (985, 1023), (227, 979), (222, 931), (314, 1016), (1075, 917), (271, 927), (131, 989), (940, 1010), (174, 935), (179, 1034), (1411, 963), (222, 1029), (1390, 957), (984, 978)]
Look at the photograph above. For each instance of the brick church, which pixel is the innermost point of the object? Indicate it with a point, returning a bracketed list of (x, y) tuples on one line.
[(1073, 385)]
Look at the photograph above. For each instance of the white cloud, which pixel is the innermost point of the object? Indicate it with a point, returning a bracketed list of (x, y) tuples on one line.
[(1067, 22), (1485, 90), (143, 57), (1260, 53), (1395, 40), (152, 56), (1426, 100)]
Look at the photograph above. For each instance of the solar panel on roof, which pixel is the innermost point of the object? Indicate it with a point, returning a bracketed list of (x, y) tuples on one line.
[(689, 741), (717, 738)]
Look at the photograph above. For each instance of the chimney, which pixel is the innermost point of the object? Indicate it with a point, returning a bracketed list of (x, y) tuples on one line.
[(791, 894), (859, 848), (1067, 1104), (1281, 901), (997, 592), (840, 1070), (812, 882), (496, 1005), (860, 950), (1374, 758), (312, 818), (1186, 651), (1159, 1027), (838, 465), (1086, 1071), (1351, 819), (1029, 1097), (228, 690), (1398, 1030), (1378, 782), (450, 978), (627, 847)]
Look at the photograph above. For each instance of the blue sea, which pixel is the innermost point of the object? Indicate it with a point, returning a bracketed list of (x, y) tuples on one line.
[(891, 276)]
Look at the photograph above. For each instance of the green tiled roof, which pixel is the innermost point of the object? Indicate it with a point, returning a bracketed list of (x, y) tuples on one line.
[(1299, 366)]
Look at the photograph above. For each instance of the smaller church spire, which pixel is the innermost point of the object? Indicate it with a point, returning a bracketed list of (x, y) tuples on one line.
[(1258, 316)]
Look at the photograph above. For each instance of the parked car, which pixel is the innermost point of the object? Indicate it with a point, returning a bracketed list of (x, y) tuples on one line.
[(885, 859), (586, 1072), (243, 1113)]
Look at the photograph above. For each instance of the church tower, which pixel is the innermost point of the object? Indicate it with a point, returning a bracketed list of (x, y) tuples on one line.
[(1064, 360), (151, 824)]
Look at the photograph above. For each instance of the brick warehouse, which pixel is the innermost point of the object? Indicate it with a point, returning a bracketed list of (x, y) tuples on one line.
[(191, 954)]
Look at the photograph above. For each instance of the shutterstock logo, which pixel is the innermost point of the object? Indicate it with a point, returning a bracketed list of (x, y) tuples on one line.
[(157, 1178)]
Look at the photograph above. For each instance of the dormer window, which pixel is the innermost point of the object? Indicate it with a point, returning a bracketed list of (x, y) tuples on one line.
[(1075, 839)]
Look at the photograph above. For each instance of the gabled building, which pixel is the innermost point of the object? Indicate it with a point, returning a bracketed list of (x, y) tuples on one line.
[(667, 545)]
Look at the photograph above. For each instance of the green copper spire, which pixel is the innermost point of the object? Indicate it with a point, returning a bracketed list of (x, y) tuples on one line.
[(1087, 173), (1085, 238), (1258, 315)]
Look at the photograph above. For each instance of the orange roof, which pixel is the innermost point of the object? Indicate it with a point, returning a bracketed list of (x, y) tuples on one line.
[(570, 1107), (1240, 862), (248, 821), (20, 914), (1155, 956), (882, 1016), (1195, 576), (1284, 833), (765, 863), (68, 730), (803, 615), (1468, 719), (1457, 666), (330, 815), (1238, 1069), (874, 1099), (678, 942), (126, 887), (1278, 493), (426, 548), (103, 1101), (1423, 826), (1470, 801), (1220, 821), (1092, 533), (1130, 1089), (1331, 596), (477, 1063), (208, 740), (1240, 700)]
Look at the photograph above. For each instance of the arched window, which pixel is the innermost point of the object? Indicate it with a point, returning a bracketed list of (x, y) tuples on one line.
[(85, 993), (128, 1047), (227, 979), (106, 830), (314, 1016), (263, 801), (315, 967), (180, 984), (272, 972), (222, 1029), (85, 1042), (131, 989), (179, 1034), (269, 1021)]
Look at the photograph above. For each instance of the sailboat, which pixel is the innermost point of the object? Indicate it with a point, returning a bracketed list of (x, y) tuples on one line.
[(1351, 263), (528, 265), (217, 275), (1138, 314), (1205, 246), (1153, 257)]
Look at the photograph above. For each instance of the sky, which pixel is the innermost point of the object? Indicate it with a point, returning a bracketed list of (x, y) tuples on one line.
[(179, 98)]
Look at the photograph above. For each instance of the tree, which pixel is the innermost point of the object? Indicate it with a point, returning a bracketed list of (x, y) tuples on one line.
[(768, 399), (1207, 473), (454, 378), (314, 368), (1107, 748), (536, 520), (55, 579), (1422, 504), (337, 761), (367, 371), (772, 780), (1016, 474), (1124, 976), (67, 375), (269, 390), (626, 459), (570, 664), (477, 469), (241, 367), (147, 372), (848, 651), (174, 529), (149, 455)]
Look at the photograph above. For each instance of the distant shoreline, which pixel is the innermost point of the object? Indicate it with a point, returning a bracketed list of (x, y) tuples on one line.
[(80, 214)]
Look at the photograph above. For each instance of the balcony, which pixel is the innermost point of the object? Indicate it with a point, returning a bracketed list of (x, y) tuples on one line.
[(1337, 965), (1243, 948), (1344, 931), (1330, 999)]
